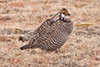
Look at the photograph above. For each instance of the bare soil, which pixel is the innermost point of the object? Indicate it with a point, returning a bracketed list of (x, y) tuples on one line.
[(82, 49)]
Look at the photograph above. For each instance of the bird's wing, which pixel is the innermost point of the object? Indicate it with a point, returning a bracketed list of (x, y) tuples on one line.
[(40, 34)]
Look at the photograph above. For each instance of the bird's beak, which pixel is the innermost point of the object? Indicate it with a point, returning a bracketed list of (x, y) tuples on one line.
[(56, 19)]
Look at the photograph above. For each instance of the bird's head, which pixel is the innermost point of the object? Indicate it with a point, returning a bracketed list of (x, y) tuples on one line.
[(60, 16)]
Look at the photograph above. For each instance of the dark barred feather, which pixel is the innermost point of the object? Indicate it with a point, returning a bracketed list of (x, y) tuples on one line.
[(49, 37), (51, 34)]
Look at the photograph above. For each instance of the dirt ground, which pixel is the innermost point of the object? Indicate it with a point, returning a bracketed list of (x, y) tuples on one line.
[(82, 49)]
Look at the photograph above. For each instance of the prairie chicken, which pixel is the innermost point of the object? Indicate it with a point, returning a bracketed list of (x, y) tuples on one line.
[(52, 33)]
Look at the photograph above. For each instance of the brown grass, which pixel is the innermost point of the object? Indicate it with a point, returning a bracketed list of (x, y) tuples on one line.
[(19, 16)]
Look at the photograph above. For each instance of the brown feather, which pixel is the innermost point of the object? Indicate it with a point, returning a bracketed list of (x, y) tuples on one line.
[(50, 37)]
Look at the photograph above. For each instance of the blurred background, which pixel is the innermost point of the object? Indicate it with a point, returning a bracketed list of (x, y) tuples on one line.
[(17, 17)]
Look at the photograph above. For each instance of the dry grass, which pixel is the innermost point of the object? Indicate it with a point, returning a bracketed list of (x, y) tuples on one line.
[(18, 16)]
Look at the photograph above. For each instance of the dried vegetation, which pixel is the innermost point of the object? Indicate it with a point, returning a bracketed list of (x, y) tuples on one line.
[(82, 49)]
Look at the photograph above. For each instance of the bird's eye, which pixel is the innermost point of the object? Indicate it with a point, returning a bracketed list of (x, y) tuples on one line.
[(64, 12)]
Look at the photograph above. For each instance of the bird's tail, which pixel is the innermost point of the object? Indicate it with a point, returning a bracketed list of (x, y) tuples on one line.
[(22, 38), (25, 46)]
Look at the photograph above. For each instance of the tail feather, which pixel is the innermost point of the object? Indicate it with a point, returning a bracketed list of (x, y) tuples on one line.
[(25, 47)]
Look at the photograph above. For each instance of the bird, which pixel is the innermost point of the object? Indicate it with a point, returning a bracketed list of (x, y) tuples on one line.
[(52, 33)]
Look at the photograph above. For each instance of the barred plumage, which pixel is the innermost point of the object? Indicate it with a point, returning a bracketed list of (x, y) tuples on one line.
[(52, 33)]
